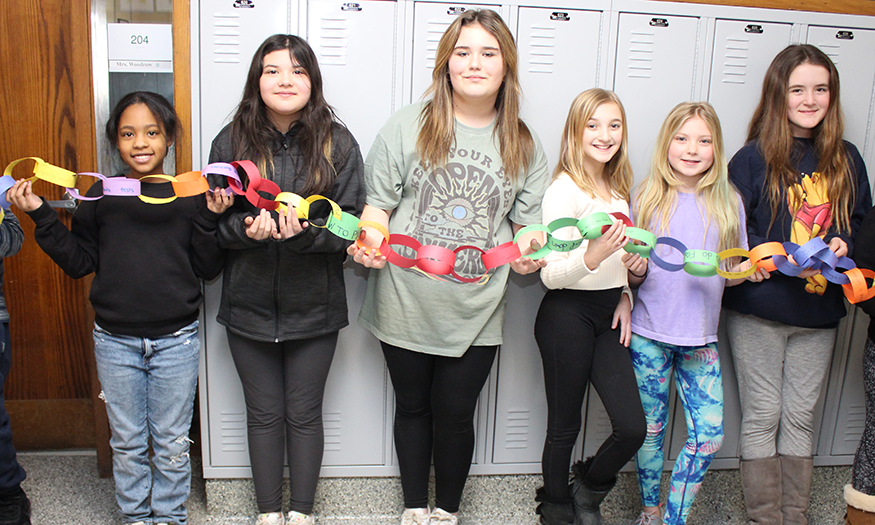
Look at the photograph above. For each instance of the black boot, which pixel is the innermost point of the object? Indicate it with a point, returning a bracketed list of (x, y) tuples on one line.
[(15, 509), (554, 513), (587, 499)]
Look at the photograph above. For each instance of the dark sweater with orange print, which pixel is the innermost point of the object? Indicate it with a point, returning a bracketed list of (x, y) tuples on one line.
[(781, 298)]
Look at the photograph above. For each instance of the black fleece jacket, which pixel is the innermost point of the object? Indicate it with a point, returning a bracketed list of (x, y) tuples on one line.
[(146, 258), (290, 289)]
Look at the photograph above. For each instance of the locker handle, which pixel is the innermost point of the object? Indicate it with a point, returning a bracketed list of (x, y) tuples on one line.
[(560, 16), (351, 6), (659, 22), (754, 28), (456, 10), (845, 35)]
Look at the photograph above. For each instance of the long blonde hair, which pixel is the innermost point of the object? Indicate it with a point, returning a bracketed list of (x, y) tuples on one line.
[(658, 195), (770, 128), (437, 124), (618, 170)]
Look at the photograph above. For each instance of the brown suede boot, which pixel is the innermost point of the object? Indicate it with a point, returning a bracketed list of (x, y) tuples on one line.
[(861, 507), (796, 473), (761, 481)]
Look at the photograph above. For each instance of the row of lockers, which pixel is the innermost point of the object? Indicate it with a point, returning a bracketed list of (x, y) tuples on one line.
[(377, 55)]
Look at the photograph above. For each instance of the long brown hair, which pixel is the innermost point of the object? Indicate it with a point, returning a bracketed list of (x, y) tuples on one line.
[(770, 128), (437, 131), (252, 132)]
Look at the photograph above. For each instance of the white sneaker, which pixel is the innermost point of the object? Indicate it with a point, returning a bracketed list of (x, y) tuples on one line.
[(415, 517), (270, 518), (296, 518), (648, 519), (442, 517)]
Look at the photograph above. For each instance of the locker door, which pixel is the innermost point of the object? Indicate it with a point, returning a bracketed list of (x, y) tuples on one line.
[(851, 51), (656, 63), (851, 409), (430, 20), (355, 45), (229, 38), (743, 51), (558, 58)]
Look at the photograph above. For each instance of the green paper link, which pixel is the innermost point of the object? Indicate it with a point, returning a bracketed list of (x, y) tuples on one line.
[(701, 263), (559, 245), (544, 251), (591, 226), (644, 236), (346, 227)]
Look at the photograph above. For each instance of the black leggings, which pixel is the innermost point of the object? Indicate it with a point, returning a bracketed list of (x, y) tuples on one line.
[(283, 384), (435, 398), (573, 330)]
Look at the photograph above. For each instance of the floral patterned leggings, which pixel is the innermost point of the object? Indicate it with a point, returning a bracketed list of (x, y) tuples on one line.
[(700, 388)]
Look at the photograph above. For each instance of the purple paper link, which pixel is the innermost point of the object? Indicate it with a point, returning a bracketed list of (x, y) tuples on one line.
[(828, 259), (833, 276), (667, 266), (75, 193), (224, 169), (6, 182), (802, 254), (118, 186), (785, 266)]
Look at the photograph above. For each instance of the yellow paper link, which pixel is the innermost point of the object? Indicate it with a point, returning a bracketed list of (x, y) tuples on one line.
[(47, 172), (335, 210), (157, 200), (735, 252), (301, 206)]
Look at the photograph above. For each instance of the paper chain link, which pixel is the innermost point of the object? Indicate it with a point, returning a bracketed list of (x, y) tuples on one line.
[(439, 261)]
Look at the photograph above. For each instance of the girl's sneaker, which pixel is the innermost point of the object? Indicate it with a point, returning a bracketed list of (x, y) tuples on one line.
[(648, 519), (296, 518), (442, 517), (270, 518), (415, 517)]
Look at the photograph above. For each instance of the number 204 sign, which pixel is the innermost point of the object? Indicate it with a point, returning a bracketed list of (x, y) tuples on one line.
[(140, 47)]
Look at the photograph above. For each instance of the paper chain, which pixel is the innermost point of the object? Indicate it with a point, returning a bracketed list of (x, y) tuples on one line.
[(437, 260)]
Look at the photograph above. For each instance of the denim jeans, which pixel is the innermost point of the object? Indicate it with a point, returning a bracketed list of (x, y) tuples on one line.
[(11, 473), (149, 387)]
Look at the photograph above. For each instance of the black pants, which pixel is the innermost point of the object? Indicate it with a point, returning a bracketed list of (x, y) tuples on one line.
[(11, 473), (864, 460), (578, 346), (435, 398), (283, 384)]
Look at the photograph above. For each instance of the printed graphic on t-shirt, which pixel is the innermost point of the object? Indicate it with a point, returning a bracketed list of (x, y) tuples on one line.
[(812, 219), (461, 204)]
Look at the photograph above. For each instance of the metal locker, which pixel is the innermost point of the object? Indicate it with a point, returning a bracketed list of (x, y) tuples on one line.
[(743, 51), (558, 58), (229, 38), (851, 409), (347, 38), (430, 20), (654, 71), (850, 49)]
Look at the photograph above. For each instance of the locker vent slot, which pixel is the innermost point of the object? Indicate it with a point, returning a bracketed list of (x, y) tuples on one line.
[(331, 422), (517, 429), (832, 49), (856, 423), (333, 40), (226, 38), (233, 431), (434, 31), (542, 49), (735, 57), (641, 50)]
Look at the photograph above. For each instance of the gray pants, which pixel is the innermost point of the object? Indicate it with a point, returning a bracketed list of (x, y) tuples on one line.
[(780, 370)]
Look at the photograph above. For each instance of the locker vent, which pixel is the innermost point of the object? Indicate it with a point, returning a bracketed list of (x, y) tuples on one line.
[(333, 40), (434, 31), (226, 38), (517, 429), (641, 49), (832, 49), (233, 431), (856, 423), (735, 57), (541, 49), (331, 423)]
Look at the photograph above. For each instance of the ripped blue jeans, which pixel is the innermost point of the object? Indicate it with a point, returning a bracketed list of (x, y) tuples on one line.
[(149, 387), (700, 387)]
